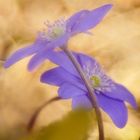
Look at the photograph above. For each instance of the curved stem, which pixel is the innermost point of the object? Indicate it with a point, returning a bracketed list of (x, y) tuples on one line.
[(35, 115), (92, 96)]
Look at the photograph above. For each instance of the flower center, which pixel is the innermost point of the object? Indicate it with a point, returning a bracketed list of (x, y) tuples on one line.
[(96, 81), (55, 30), (99, 80)]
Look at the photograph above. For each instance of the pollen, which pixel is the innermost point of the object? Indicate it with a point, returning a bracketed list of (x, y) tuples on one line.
[(96, 81)]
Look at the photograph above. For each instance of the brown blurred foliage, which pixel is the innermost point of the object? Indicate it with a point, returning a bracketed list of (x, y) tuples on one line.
[(115, 44)]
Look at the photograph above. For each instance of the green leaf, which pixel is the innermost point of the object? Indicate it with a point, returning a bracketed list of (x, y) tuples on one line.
[(75, 126)]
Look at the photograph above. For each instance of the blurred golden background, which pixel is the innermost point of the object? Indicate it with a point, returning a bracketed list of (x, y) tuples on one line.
[(115, 44)]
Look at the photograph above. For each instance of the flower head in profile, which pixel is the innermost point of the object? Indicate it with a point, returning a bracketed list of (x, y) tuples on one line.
[(111, 96), (58, 34)]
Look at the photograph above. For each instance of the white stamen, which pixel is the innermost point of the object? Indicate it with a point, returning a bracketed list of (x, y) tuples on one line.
[(54, 30), (99, 80)]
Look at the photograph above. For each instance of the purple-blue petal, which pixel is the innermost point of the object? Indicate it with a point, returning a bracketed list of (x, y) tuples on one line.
[(121, 93), (61, 59), (26, 51), (58, 76), (60, 41), (75, 18), (85, 60), (20, 54), (40, 57), (81, 101), (91, 19), (116, 109), (68, 90), (58, 58)]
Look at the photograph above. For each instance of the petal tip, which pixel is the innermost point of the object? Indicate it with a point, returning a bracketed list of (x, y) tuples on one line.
[(32, 65), (6, 65), (42, 77), (121, 125), (108, 6), (30, 69), (135, 106)]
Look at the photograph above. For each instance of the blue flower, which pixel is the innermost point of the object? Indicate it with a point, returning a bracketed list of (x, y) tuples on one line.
[(110, 95), (57, 35)]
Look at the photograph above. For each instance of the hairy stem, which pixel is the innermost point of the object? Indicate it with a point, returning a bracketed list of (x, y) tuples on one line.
[(35, 115), (91, 94)]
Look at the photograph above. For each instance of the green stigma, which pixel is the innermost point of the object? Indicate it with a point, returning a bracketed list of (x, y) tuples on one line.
[(96, 81), (56, 32)]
